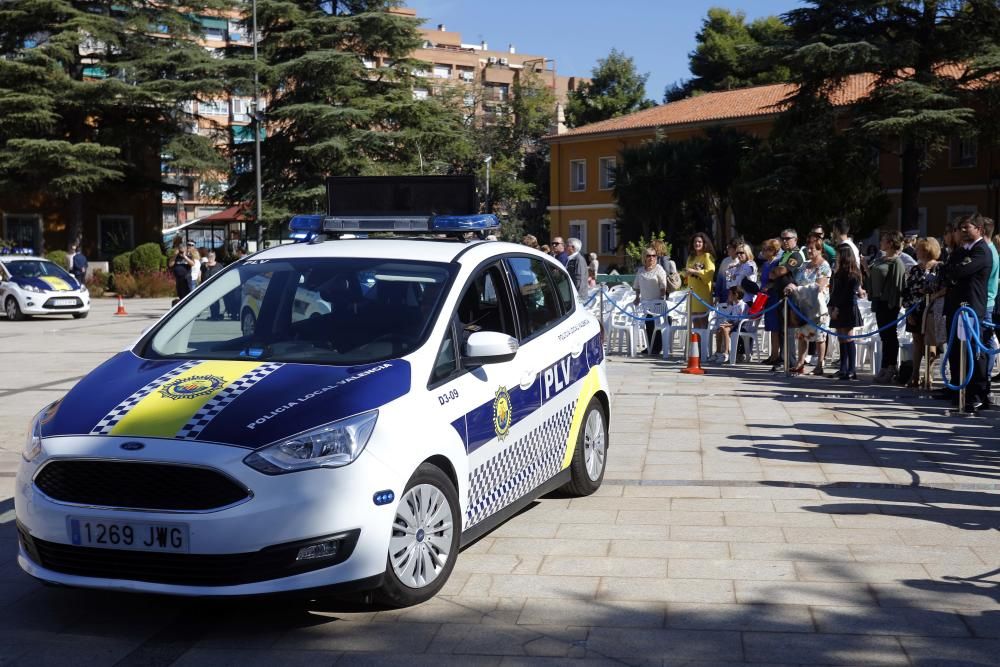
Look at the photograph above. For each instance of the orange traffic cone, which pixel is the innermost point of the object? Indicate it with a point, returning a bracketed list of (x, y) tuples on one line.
[(694, 357), (121, 306)]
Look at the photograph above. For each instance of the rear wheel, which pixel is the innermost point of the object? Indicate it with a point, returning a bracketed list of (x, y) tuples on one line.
[(80, 316), (424, 542), (591, 452), (13, 310)]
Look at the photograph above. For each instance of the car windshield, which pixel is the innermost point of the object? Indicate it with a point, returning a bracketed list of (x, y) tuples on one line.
[(342, 311), (36, 268)]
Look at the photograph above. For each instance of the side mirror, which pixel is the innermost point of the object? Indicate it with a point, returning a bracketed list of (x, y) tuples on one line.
[(488, 347)]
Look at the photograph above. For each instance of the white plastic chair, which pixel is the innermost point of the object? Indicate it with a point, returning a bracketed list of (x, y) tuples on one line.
[(653, 308), (624, 336), (747, 330), (675, 323), (869, 350)]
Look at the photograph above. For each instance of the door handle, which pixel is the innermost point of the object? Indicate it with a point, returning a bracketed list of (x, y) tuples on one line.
[(527, 379)]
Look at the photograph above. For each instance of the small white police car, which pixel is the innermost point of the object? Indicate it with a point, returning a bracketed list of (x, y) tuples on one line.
[(36, 286), (441, 388)]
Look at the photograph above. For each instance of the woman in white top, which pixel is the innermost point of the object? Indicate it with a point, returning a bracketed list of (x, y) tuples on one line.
[(650, 284), (742, 267)]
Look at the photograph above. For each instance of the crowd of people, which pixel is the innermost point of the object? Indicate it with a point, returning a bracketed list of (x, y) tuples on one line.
[(827, 280), (190, 266)]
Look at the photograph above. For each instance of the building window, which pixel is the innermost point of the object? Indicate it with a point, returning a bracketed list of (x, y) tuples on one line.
[(115, 234), (608, 241), (420, 93), (441, 71), (963, 153), (241, 109), (23, 231), (955, 213), (369, 63), (217, 107), (577, 175), (578, 230), (606, 171)]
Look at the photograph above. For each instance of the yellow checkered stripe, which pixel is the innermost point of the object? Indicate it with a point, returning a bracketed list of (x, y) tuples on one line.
[(161, 409)]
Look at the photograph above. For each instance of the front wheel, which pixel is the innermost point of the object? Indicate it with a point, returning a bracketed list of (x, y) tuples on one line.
[(248, 322), (424, 542), (13, 310), (591, 452)]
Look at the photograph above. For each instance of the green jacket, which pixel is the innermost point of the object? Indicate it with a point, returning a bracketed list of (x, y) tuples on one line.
[(885, 281)]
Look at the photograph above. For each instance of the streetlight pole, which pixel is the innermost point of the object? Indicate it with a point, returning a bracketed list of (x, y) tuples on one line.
[(256, 133)]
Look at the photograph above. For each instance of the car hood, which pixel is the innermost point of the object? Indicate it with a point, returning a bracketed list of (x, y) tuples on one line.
[(48, 283), (241, 403)]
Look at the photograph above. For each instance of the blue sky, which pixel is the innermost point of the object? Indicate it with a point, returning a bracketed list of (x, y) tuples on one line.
[(658, 34)]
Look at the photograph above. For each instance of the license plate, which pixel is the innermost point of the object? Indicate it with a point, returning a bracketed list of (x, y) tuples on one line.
[(63, 302), (131, 535)]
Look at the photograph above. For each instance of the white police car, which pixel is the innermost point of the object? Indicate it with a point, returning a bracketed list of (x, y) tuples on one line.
[(449, 385), (36, 286)]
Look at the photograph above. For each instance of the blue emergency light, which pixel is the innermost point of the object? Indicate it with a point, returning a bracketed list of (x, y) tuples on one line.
[(307, 227)]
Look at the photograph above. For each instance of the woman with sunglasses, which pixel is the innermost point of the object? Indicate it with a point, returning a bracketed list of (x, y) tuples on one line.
[(650, 284)]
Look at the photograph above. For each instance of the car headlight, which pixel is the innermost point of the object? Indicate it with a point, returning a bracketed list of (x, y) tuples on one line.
[(33, 443), (329, 446), (28, 287)]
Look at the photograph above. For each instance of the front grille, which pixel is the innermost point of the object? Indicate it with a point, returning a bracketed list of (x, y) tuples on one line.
[(136, 485), (51, 303), (181, 569)]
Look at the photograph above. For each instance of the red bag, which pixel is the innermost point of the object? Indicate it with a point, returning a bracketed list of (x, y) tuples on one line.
[(759, 303)]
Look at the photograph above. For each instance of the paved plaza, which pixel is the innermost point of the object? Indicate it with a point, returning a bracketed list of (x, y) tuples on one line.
[(744, 518)]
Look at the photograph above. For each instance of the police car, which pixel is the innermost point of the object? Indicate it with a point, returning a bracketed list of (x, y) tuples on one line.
[(441, 387), (36, 286)]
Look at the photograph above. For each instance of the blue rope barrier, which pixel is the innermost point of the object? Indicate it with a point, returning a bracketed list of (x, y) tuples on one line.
[(733, 318), (972, 343), (830, 332)]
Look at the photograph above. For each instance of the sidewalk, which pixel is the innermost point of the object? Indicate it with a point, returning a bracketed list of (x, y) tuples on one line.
[(744, 518)]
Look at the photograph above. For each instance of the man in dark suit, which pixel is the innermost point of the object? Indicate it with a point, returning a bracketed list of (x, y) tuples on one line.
[(966, 279)]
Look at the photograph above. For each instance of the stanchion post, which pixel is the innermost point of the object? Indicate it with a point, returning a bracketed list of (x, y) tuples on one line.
[(928, 381), (784, 339), (687, 346), (961, 364)]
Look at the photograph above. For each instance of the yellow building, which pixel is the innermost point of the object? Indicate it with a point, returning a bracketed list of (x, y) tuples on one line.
[(964, 179)]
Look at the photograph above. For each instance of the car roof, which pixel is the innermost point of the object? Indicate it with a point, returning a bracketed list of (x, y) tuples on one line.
[(432, 250), (22, 258)]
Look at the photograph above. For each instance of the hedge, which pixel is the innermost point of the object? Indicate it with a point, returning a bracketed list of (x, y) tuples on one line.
[(122, 263), (146, 258), (59, 257)]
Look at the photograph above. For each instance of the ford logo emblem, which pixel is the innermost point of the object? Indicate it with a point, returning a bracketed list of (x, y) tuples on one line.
[(132, 446)]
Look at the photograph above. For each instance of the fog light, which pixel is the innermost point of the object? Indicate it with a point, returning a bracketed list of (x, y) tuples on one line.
[(326, 549)]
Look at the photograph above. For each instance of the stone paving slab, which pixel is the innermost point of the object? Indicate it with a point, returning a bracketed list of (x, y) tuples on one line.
[(745, 518)]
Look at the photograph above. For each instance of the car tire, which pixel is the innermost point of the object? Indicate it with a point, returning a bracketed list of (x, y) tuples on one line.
[(248, 322), (80, 316), (13, 310), (414, 568), (590, 457)]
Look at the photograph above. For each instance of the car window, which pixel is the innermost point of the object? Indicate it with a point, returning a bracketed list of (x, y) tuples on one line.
[(446, 361), (37, 268), (485, 305), (564, 288), (536, 293), (330, 310)]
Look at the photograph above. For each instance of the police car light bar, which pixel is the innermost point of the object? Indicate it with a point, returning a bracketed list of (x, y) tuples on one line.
[(306, 227)]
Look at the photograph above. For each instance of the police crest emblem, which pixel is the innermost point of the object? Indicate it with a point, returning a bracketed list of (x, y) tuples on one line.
[(192, 386), (503, 413)]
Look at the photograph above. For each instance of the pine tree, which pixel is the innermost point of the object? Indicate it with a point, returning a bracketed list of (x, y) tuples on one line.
[(330, 114), (91, 92), (919, 52), (615, 89)]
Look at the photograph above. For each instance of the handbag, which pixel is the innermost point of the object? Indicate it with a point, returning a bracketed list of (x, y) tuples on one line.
[(759, 303)]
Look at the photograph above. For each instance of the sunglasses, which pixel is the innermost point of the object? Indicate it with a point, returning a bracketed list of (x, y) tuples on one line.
[(740, 252), (651, 256), (787, 238)]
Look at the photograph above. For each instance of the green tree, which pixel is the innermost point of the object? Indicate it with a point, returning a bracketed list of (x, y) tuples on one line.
[(329, 114), (615, 89), (918, 52), (731, 53), (91, 92)]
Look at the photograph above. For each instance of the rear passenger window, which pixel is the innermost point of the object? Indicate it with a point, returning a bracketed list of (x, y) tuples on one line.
[(564, 288), (536, 292)]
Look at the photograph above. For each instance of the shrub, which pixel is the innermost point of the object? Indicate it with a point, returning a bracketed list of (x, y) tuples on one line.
[(121, 263), (163, 262), (124, 284), (146, 258), (59, 257), (97, 283), (155, 284)]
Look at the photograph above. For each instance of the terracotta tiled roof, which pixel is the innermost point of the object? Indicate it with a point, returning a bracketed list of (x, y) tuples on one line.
[(725, 105)]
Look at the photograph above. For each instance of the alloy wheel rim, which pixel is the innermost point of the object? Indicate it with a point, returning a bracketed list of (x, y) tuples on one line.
[(422, 534), (11, 312), (594, 445)]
